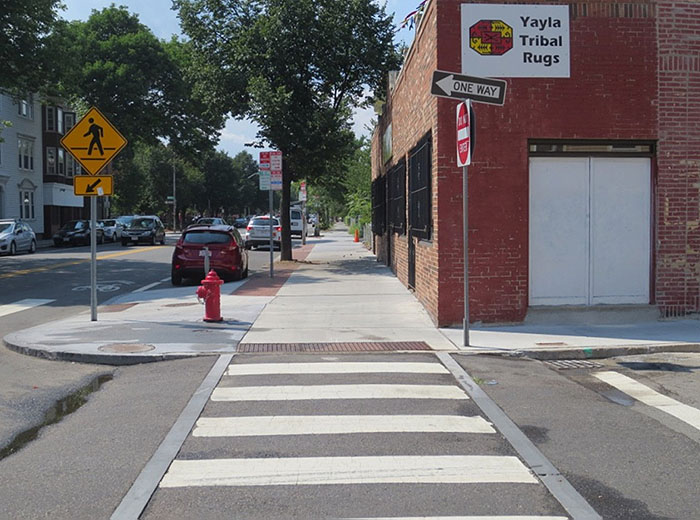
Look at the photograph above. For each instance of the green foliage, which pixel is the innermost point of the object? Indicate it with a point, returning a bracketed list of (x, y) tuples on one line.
[(358, 183), (26, 54)]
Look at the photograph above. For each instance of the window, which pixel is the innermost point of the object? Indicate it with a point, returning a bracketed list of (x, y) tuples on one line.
[(26, 153), (59, 120), (50, 119), (420, 189), (50, 160), (70, 165), (25, 107), (69, 120), (379, 205), (61, 161), (396, 177), (26, 204)]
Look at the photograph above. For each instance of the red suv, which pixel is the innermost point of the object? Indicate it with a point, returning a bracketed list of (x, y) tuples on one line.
[(227, 256)]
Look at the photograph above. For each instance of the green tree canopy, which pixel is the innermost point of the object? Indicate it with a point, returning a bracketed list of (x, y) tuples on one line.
[(295, 67)]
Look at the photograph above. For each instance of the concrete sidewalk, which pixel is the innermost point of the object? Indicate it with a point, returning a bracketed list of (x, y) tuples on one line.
[(334, 297)]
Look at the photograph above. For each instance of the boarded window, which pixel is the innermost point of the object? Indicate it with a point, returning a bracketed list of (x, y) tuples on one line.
[(420, 188), (396, 177), (379, 205)]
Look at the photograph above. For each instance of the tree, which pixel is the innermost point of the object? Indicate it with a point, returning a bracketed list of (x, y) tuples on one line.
[(25, 53), (295, 67)]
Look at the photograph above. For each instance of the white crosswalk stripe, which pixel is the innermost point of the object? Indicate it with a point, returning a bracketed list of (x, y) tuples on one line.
[(22, 305), (353, 409)]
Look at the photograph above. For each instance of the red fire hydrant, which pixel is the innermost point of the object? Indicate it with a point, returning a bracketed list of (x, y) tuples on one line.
[(357, 235), (210, 292)]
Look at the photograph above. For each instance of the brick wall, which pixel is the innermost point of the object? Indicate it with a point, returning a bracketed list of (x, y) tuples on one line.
[(678, 191)]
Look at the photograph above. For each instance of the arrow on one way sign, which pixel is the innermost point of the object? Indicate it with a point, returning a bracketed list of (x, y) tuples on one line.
[(91, 187), (456, 86)]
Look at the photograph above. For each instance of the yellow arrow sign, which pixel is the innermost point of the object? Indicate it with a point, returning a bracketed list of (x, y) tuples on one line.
[(93, 141), (93, 185)]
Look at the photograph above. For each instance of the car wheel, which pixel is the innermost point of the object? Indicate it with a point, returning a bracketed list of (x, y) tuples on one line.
[(245, 271), (32, 247), (248, 247), (100, 239), (175, 278), (13, 249), (162, 241), (125, 243), (114, 237), (153, 240)]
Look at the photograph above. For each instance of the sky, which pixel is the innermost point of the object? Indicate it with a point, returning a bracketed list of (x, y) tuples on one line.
[(163, 22)]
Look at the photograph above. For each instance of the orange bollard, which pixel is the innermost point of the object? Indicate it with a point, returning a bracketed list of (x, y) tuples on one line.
[(357, 235)]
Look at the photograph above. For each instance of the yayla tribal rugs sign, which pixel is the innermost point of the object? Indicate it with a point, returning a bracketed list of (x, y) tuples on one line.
[(515, 41)]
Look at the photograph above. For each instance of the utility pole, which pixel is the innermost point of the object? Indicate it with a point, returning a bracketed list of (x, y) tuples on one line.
[(174, 202)]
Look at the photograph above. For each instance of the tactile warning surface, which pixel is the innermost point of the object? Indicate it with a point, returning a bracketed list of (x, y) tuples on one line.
[(357, 346)]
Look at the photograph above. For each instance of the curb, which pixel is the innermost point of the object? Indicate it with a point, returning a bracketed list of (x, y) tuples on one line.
[(596, 352), (98, 359)]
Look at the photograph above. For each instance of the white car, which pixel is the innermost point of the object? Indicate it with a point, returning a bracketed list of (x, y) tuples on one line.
[(16, 236), (296, 222), (310, 227), (113, 229), (257, 233)]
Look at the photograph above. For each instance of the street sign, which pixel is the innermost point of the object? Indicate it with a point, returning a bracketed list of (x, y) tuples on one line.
[(464, 152), (93, 185), (93, 141), (276, 181), (276, 161), (264, 160), (456, 86), (264, 179), (302, 191)]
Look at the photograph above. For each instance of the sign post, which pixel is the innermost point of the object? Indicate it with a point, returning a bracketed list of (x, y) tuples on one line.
[(93, 142), (271, 180), (483, 90)]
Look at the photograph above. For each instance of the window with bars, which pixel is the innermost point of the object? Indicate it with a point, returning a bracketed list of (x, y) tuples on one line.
[(420, 188), (396, 177), (379, 205)]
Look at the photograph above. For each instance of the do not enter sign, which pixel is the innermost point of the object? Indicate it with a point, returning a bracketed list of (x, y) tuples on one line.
[(464, 144)]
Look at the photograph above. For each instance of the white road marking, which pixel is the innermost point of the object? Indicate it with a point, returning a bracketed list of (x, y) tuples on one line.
[(22, 305), (650, 397), (464, 518), (294, 393), (465, 469), (336, 424), (146, 287), (248, 369)]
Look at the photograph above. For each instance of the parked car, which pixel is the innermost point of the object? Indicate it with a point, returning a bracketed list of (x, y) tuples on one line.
[(227, 257), (77, 232), (16, 236), (147, 228), (257, 232), (112, 229), (125, 219), (297, 225), (311, 227), (241, 222), (209, 221), (314, 220)]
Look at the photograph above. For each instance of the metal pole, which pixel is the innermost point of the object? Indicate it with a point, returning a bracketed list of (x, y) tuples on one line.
[(207, 254), (303, 223), (174, 202), (465, 211), (272, 273), (93, 258)]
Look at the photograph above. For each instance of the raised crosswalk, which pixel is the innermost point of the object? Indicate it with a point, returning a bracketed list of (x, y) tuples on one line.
[(389, 437)]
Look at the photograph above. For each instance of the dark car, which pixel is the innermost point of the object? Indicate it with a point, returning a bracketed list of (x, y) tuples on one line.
[(241, 222), (148, 229), (77, 232), (227, 256)]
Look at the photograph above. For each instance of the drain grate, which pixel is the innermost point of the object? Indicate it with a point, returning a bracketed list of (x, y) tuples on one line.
[(568, 364), (357, 346)]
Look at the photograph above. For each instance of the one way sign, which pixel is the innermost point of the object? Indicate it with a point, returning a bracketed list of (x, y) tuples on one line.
[(456, 86)]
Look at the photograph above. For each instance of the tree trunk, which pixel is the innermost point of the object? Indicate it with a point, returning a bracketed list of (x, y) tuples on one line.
[(286, 252)]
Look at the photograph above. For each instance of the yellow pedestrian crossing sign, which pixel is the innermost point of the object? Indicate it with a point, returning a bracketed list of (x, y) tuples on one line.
[(93, 141)]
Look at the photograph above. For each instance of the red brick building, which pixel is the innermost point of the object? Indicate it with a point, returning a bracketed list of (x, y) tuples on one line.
[(584, 188)]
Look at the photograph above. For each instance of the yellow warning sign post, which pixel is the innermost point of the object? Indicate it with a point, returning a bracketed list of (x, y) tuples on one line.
[(93, 185), (93, 141)]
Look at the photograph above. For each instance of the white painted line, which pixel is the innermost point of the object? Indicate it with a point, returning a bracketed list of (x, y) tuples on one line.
[(22, 305), (464, 469), (336, 424), (167, 279), (500, 517), (249, 369), (646, 395), (146, 287), (296, 393)]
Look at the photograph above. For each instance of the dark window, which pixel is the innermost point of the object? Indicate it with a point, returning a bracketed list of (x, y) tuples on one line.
[(396, 177), (206, 237), (420, 188), (379, 205)]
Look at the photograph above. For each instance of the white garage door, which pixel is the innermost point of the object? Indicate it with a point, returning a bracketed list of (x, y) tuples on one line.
[(590, 230)]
